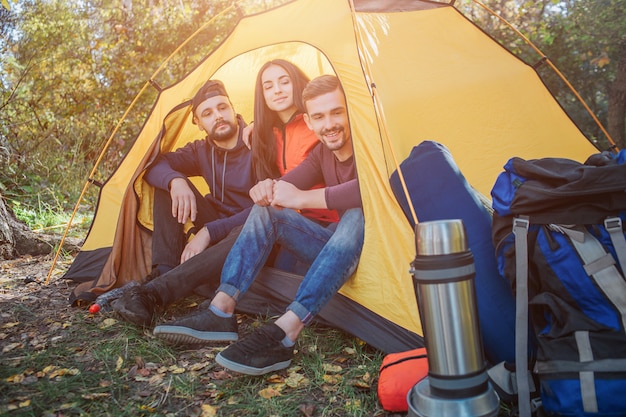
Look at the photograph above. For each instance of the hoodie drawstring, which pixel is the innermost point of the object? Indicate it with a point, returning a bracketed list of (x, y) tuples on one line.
[(213, 172), (224, 176)]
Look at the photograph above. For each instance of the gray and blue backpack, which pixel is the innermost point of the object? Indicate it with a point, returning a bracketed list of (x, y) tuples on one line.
[(558, 229)]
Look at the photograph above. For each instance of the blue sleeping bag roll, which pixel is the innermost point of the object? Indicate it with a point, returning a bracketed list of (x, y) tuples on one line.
[(439, 191)]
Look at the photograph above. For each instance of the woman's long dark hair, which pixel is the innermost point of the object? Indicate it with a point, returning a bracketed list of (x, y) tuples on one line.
[(263, 141)]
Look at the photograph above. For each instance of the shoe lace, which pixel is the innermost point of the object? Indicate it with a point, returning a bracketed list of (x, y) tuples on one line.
[(141, 296), (261, 338)]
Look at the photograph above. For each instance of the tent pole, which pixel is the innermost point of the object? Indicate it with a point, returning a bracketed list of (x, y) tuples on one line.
[(379, 110), (119, 124), (554, 68)]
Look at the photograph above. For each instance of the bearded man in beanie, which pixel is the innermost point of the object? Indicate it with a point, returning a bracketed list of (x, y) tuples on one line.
[(180, 265)]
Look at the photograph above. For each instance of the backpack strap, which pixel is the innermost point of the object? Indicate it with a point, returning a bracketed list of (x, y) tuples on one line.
[(520, 230), (600, 266)]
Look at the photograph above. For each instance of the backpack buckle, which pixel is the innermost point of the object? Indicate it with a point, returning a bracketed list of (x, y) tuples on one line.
[(521, 222), (613, 223)]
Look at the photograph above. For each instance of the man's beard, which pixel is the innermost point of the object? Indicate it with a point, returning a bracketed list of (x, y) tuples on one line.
[(335, 145), (223, 135)]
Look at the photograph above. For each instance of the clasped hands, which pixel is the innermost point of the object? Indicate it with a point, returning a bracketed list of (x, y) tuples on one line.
[(276, 193)]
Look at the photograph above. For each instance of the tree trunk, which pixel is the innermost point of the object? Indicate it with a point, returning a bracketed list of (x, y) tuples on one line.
[(7, 242), (617, 101), (16, 239)]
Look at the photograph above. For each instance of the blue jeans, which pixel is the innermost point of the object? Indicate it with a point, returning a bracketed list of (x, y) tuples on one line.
[(332, 251)]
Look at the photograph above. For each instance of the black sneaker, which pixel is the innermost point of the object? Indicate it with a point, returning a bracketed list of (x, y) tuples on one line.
[(139, 305), (200, 327), (258, 353)]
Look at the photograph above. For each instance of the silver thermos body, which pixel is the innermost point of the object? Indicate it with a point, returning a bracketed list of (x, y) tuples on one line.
[(443, 273)]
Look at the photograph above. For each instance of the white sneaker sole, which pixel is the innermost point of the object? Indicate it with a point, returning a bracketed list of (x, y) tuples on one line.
[(184, 335), (249, 370)]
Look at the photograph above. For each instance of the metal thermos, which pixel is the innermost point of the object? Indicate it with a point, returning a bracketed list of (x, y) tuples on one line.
[(443, 271)]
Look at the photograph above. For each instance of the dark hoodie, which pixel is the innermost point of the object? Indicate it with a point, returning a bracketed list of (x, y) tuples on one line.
[(228, 172)]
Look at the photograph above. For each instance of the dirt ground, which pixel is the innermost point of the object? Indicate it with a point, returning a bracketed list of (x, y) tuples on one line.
[(36, 319), (22, 281)]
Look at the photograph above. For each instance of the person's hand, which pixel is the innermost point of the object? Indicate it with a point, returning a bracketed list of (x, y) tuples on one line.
[(246, 135), (183, 201), (286, 195), (262, 193), (199, 243)]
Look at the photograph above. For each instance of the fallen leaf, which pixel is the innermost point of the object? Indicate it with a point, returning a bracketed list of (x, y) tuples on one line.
[(332, 368), (353, 404), (295, 368), (177, 370), (208, 410), (198, 365), (602, 60), (147, 408), (359, 383), (10, 347), (332, 379), (119, 363), (63, 371), (221, 375), (15, 379), (296, 380), (156, 379), (269, 392), (275, 379), (48, 369), (107, 323)]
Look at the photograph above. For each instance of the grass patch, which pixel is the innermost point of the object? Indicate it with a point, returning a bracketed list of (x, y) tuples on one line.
[(43, 216), (77, 364)]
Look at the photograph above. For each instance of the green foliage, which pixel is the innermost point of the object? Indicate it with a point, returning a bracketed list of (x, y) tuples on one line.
[(69, 70)]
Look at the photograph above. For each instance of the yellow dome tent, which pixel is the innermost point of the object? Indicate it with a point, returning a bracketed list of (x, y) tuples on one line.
[(411, 71)]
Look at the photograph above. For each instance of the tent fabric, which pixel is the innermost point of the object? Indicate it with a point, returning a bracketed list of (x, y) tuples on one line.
[(411, 71)]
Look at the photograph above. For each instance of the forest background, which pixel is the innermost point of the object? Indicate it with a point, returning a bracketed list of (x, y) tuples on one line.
[(70, 69)]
